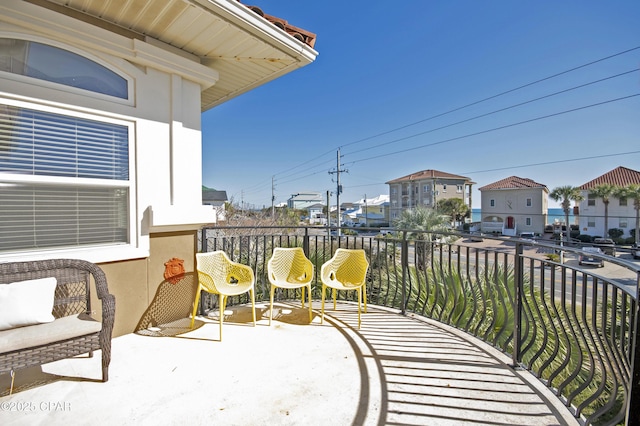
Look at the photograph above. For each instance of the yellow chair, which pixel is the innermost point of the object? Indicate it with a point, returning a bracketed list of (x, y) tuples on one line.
[(346, 270), (217, 274), (289, 268)]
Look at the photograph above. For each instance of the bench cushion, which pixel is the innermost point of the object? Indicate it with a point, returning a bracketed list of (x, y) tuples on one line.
[(42, 334)]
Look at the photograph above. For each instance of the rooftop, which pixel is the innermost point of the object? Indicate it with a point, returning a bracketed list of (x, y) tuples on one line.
[(513, 182), (620, 176), (395, 370)]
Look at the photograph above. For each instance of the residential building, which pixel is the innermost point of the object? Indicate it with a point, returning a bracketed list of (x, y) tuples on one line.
[(514, 205), (426, 188), (101, 144), (373, 211), (303, 200), (621, 212), (216, 199), (316, 214)]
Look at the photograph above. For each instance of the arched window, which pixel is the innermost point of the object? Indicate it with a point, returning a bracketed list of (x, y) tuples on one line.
[(49, 63)]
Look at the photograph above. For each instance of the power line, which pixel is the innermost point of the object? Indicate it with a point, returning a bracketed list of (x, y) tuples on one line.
[(494, 96), (545, 163), (498, 110), (494, 129)]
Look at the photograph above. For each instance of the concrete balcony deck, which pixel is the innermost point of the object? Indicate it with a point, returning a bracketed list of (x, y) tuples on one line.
[(395, 370)]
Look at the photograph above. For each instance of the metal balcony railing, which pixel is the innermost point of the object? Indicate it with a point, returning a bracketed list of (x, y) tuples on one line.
[(572, 328)]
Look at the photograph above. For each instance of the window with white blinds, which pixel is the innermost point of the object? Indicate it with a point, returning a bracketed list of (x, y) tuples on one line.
[(64, 181)]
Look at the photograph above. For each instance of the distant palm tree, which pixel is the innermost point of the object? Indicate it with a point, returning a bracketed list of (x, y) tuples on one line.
[(632, 192), (567, 194), (426, 221), (604, 191)]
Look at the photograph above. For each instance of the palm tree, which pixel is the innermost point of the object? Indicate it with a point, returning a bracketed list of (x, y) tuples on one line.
[(567, 194), (632, 192), (425, 221), (604, 191), (453, 207)]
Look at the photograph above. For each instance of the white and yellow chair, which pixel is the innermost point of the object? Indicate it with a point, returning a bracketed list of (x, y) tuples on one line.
[(289, 268), (217, 274), (346, 270)]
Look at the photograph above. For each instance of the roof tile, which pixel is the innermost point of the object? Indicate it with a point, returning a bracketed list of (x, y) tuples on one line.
[(620, 176)]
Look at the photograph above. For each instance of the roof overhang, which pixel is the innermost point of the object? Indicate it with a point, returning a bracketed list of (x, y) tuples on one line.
[(241, 49)]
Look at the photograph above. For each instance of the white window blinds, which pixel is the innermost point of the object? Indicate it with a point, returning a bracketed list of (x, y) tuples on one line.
[(63, 180)]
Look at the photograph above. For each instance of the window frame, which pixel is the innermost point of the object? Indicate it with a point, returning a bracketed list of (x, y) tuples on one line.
[(97, 250), (32, 81)]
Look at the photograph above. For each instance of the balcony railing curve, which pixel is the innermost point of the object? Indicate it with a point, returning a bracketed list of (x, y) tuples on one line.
[(574, 328)]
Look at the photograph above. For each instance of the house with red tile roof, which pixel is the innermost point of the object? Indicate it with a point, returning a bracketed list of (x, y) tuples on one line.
[(514, 205), (426, 188), (621, 212)]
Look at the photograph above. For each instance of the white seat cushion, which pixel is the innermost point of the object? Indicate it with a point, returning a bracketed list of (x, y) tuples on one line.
[(42, 334)]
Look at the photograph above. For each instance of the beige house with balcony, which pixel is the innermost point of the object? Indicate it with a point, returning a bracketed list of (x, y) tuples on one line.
[(621, 212), (101, 136), (426, 188), (514, 205)]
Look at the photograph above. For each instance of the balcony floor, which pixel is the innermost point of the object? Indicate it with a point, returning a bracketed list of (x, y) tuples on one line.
[(395, 370)]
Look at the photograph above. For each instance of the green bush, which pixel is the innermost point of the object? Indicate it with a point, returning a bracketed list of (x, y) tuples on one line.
[(584, 238), (615, 233)]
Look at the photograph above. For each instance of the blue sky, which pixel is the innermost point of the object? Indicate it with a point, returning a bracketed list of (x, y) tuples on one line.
[(406, 86)]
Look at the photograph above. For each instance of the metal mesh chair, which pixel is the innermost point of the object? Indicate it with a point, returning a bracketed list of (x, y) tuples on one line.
[(346, 270), (289, 268), (217, 274)]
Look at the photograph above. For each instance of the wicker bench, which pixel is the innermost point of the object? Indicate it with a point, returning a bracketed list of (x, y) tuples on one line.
[(71, 331)]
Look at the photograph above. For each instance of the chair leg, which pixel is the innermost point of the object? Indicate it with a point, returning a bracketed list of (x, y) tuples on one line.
[(221, 301), (324, 290), (302, 295), (195, 307), (310, 314), (273, 289), (253, 305), (359, 303), (334, 292), (364, 293)]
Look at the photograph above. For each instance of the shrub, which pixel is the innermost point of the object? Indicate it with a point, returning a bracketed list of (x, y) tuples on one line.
[(584, 238), (615, 233)]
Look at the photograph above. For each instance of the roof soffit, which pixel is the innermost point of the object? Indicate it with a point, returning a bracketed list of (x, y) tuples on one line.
[(225, 36)]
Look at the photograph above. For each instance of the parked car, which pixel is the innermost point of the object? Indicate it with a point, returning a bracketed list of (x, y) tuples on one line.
[(635, 251), (606, 245), (587, 257), (476, 237), (528, 236)]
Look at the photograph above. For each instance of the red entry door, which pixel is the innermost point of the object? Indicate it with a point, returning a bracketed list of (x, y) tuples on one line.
[(510, 222)]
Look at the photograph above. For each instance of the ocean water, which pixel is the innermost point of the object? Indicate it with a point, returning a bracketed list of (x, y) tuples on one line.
[(553, 214)]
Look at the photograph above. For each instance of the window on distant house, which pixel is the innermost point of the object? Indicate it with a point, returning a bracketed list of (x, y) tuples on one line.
[(426, 188), (444, 188), (623, 202), (55, 65), (622, 222), (459, 189), (394, 191), (591, 200), (64, 179), (527, 221), (591, 222), (529, 202), (492, 203)]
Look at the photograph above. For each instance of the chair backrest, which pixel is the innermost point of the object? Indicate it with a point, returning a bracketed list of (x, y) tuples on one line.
[(214, 263), (290, 264), (350, 266)]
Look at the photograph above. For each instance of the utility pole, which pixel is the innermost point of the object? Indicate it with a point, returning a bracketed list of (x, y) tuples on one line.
[(366, 211), (339, 187), (273, 198)]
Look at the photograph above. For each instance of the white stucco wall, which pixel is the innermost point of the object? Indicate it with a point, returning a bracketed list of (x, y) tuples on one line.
[(163, 111)]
